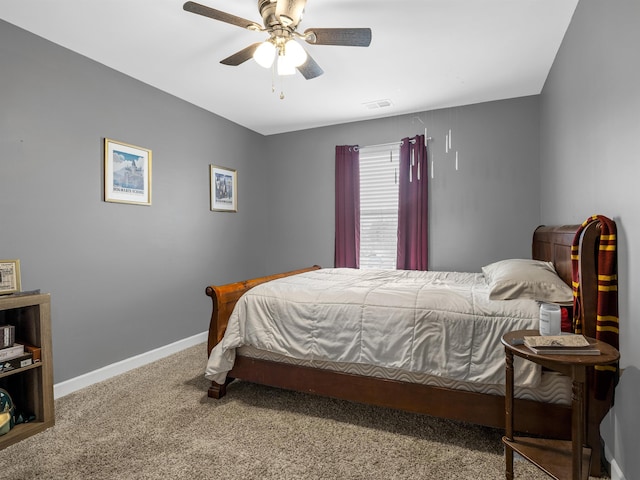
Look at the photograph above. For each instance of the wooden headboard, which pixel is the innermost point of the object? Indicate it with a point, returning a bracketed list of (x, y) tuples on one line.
[(553, 244)]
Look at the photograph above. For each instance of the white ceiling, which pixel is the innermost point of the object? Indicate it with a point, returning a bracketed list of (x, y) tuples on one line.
[(424, 54)]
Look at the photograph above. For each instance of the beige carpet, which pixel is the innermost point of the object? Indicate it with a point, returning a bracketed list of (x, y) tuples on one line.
[(157, 422)]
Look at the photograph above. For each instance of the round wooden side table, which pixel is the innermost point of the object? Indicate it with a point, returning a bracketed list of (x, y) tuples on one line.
[(561, 459)]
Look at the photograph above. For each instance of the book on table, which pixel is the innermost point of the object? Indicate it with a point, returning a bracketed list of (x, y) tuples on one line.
[(570, 344)]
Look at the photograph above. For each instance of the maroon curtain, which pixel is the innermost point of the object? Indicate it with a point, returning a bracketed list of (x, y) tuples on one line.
[(413, 202), (347, 249)]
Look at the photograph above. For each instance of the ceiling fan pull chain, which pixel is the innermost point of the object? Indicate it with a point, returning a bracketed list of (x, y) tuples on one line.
[(281, 87), (273, 78)]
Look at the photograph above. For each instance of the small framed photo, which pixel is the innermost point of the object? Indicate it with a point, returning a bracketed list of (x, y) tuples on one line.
[(9, 276), (127, 173), (224, 189)]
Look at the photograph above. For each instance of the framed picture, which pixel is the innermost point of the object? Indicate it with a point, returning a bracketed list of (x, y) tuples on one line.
[(9, 276), (224, 189), (127, 173)]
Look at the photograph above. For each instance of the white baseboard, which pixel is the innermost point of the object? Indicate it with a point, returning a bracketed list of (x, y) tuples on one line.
[(616, 472), (69, 386)]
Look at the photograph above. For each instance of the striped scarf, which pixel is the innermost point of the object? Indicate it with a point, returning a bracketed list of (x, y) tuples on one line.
[(607, 329)]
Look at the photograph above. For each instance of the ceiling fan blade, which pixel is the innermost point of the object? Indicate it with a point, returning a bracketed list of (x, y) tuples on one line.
[(310, 69), (241, 56), (221, 16), (289, 12), (349, 37)]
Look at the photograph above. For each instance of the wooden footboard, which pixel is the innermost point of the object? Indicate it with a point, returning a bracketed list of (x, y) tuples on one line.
[(224, 298)]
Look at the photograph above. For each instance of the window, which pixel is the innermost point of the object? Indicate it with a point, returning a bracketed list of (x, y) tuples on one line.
[(379, 206)]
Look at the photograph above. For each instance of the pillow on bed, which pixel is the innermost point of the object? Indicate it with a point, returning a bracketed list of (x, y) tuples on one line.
[(521, 278)]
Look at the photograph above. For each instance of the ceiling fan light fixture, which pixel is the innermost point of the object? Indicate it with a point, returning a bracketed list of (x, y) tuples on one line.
[(295, 53), (281, 19), (265, 54), (285, 67)]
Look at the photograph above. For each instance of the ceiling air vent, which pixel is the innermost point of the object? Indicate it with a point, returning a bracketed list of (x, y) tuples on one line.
[(378, 104)]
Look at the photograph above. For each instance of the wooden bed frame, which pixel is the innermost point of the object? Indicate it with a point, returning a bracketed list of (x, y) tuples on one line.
[(537, 418)]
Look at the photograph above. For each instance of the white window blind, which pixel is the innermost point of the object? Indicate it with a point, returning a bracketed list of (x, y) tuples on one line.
[(379, 206)]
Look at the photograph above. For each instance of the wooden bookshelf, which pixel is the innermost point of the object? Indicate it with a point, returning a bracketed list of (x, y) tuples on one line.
[(31, 387)]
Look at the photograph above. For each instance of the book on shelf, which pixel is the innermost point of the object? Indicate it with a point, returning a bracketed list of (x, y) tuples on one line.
[(13, 351), (33, 350), (17, 362), (7, 335), (561, 345)]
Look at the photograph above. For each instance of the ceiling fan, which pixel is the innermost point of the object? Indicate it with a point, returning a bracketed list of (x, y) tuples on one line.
[(281, 19)]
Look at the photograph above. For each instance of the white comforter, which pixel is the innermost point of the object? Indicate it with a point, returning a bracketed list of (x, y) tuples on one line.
[(440, 323)]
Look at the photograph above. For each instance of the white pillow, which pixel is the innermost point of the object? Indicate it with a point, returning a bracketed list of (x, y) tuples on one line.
[(521, 278)]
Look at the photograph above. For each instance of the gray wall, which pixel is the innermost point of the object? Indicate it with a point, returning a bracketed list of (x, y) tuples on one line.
[(590, 139), (124, 279), (485, 211)]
